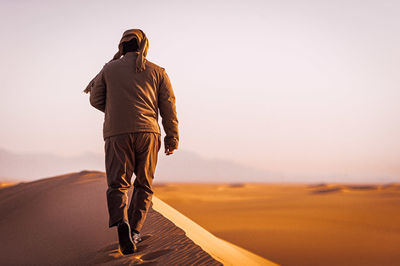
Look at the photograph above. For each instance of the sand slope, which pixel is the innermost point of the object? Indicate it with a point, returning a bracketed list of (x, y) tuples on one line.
[(219, 249), (63, 221), (298, 224)]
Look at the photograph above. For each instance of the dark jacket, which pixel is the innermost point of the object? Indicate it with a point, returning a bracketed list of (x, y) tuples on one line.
[(130, 100)]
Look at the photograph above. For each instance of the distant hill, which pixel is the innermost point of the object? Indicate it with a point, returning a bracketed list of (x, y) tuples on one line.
[(183, 166), (38, 165)]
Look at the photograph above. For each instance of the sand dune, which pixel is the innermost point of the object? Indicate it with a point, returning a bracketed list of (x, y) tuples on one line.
[(327, 188), (219, 249), (63, 221), (7, 184), (322, 224)]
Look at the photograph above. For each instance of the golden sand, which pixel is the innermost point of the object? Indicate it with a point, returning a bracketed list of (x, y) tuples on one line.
[(64, 221), (7, 184), (298, 224)]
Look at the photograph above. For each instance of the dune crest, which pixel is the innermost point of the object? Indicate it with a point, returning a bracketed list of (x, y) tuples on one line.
[(63, 220), (221, 250)]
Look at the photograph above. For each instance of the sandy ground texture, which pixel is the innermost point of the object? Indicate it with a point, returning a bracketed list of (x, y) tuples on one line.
[(7, 184), (324, 224), (63, 221)]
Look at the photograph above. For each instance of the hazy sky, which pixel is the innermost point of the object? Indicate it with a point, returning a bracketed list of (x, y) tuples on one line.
[(298, 87)]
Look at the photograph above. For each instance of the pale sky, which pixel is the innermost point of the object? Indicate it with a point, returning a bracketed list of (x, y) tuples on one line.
[(296, 87)]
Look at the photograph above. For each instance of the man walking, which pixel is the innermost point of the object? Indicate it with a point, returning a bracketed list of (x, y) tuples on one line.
[(131, 91)]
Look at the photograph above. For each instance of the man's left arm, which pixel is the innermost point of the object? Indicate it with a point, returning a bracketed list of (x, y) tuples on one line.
[(98, 92)]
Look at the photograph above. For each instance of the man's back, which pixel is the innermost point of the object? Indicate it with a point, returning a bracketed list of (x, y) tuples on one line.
[(131, 99)]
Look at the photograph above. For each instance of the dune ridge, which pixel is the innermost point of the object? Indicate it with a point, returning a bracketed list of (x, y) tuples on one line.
[(63, 221), (328, 188), (221, 250), (298, 224)]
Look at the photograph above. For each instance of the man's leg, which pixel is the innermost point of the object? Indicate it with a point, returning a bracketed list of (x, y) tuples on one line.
[(146, 146), (119, 168)]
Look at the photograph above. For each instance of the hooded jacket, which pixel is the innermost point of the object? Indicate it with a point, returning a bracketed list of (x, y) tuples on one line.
[(132, 92)]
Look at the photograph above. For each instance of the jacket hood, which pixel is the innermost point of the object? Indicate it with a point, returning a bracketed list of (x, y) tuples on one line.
[(143, 43), (142, 51)]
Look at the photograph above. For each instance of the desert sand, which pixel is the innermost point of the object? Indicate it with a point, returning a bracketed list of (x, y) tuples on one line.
[(298, 224), (63, 221), (7, 184)]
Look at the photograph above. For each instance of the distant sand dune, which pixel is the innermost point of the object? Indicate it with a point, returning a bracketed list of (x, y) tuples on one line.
[(329, 188), (298, 224), (7, 184), (326, 190)]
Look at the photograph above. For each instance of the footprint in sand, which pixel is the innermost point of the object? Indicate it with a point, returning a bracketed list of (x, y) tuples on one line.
[(151, 258), (111, 254), (144, 237), (155, 254)]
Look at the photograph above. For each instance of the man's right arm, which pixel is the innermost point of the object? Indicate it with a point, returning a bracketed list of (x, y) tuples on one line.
[(166, 104), (98, 92)]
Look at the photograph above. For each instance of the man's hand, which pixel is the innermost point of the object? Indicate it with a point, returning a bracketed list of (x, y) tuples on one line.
[(169, 151)]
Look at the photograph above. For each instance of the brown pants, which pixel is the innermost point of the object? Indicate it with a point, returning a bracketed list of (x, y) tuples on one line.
[(127, 154)]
